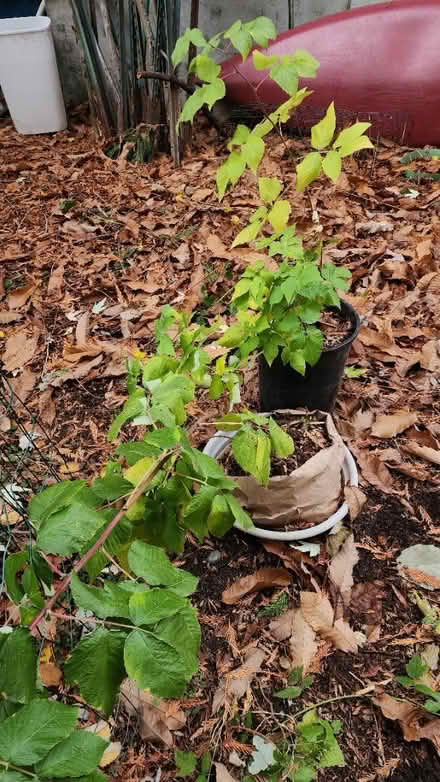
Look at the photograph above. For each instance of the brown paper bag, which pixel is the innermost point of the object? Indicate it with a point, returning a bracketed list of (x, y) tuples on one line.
[(310, 493)]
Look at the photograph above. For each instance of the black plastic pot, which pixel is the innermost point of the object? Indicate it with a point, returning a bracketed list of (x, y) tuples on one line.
[(283, 388)]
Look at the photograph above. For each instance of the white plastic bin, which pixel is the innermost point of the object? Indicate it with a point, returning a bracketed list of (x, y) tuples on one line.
[(29, 75)]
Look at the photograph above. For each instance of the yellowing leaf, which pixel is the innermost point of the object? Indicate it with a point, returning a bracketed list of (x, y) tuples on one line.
[(308, 170), (269, 188), (331, 165), (279, 215), (135, 473), (354, 146), (247, 234), (262, 62), (323, 131), (110, 754)]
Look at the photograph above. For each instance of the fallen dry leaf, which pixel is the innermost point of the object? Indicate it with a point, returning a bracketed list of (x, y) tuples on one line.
[(20, 296), (50, 674), (429, 454), (46, 407), (341, 572), (157, 718), (375, 471), (355, 499), (20, 348), (391, 425), (262, 579), (412, 719), (81, 371), (222, 774), (110, 754), (24, 383), (236, 683), (195, 289), (303, 646), (318, 612)]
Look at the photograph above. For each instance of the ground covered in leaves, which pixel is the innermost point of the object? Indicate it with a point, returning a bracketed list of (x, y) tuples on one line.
[(90, 250)]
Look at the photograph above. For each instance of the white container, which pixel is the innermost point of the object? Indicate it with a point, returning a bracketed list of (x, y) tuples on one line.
[(29, 75), (218, 444)]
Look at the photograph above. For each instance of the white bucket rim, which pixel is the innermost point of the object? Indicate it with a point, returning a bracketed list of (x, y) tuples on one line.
[(20, 25), (215, 447)]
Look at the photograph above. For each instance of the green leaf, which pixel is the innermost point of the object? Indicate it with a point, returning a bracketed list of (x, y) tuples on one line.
[(133, 407), (148, 608), (355, 146), (253, 151), (230, 171), (432, 706), (262, 62), (289, 692), (282, 443), (244, 448), (355, 372), (30, 733), (244, 237), (331, 165), (234, 335), (75, 756), (351, 134), (53, 499), (111, 487), (216, 388), (297, 361), (182, 631), (18, 681), (214, 92), (206, 762), (186, 763), (306, 64), (308, 170), (241, 517), (14, 563), (220, 519), (154, 664), (279, 215), (323, 131), (152, 564), (205, 68), (96, 665), (305, 774), (198, 509), (15, 776), (336, 275), (240, 38), (262, 458), (69, 530), (269, 188), (285, 74), (109, 600), (262, 30), (416, 667)]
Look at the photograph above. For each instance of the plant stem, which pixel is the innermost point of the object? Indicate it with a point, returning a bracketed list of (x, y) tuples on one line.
[(136, 493), (359, 694), (85, 619), (17, 768), (117, 565)]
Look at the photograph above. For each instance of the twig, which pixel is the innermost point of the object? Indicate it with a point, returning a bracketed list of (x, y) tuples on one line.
[(136, 493), (117, 565), (359, 694), (169, 77)]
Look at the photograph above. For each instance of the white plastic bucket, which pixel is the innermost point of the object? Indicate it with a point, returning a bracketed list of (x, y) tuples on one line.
[(218, 444), (29, 75)]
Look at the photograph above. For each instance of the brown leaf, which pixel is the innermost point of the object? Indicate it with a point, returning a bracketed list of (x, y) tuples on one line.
[(141, 285), (303, 646), (391, 425), (20, 348), (46, 407), (236, 683), (20, 296), (24, 383), (9, 317), (374, 227), (217, 248), (222, 774), (182, 255), (430, 358), (50, 674), (56, 280), (82, 370), (82, 329), (375, 471), (262, 579), (362, 420), (78, 230), (355, 499), (429, 454), (194, 293), (318, 612), (292, 558), (157, 718), (366, 600), (412, 719), (341, 569)]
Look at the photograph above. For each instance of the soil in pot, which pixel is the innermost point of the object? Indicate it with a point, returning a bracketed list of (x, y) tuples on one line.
[(310, 436), (282, 387)]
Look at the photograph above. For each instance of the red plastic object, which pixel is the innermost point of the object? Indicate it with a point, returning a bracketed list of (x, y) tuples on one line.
[(378, 63)]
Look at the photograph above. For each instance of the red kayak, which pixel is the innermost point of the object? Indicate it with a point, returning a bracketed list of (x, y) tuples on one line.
[(379, 63)]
